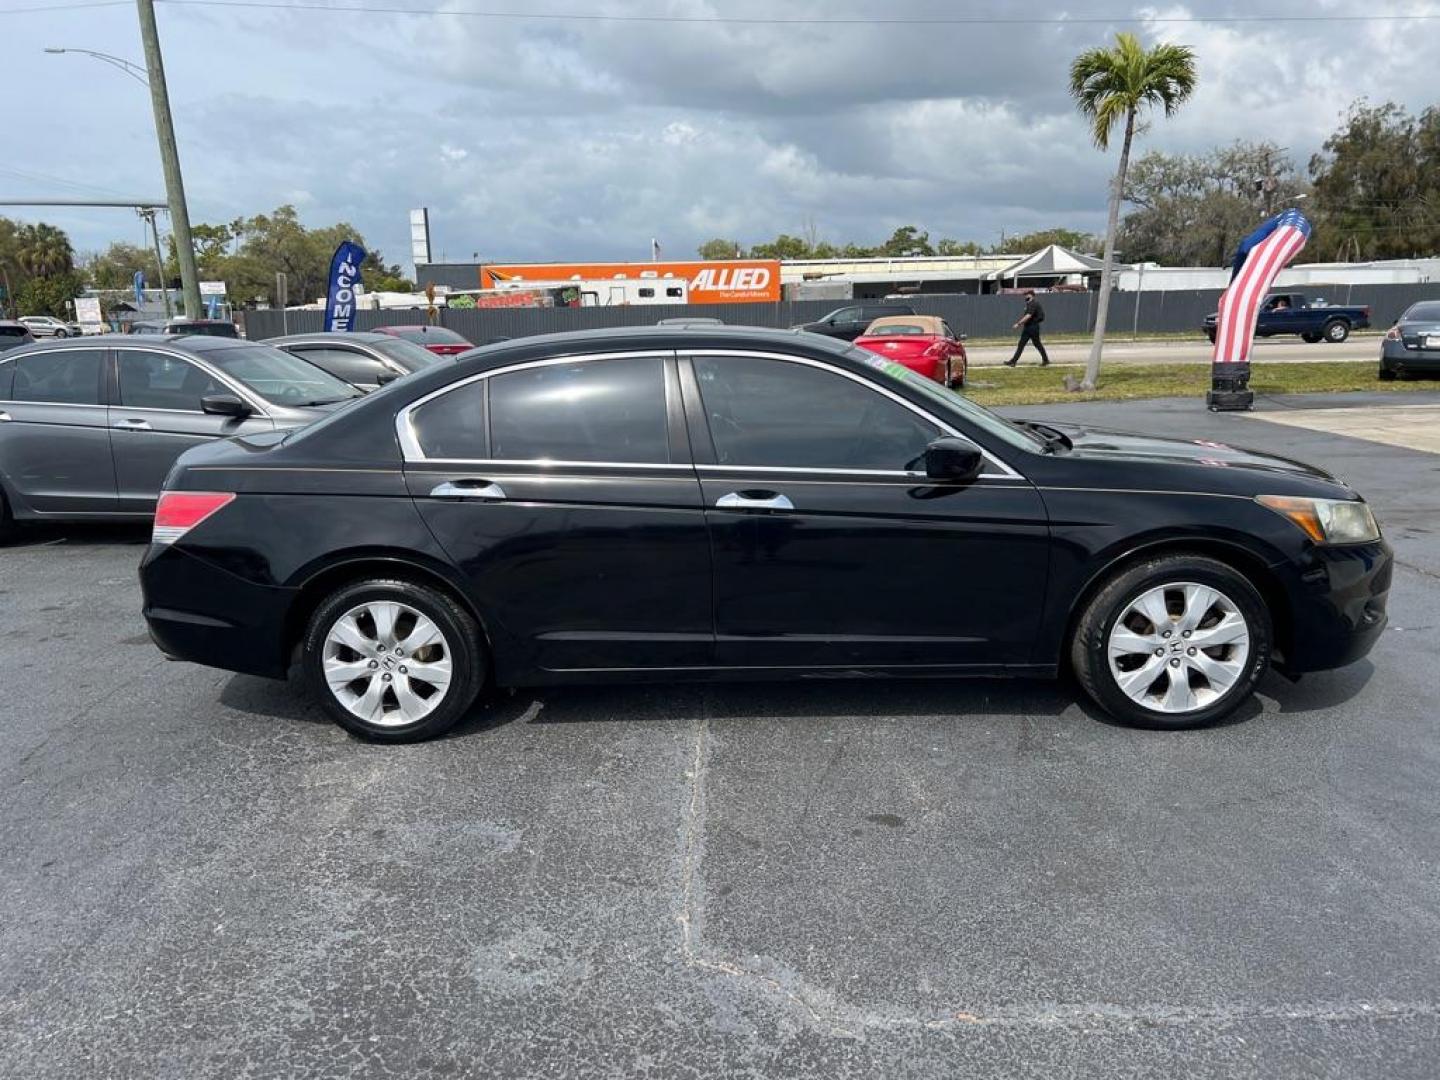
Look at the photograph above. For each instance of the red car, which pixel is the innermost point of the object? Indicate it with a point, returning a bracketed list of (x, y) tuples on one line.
[(437, 339), (922, 343)]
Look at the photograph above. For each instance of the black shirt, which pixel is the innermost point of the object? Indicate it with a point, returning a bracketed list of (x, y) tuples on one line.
[(1035, 312)]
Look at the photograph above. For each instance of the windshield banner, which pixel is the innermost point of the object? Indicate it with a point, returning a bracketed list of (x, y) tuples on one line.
[(340, 293)]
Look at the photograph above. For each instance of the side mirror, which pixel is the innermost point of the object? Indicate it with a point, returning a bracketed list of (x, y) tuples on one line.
[(224, 405), (385, 377), (953, 459)]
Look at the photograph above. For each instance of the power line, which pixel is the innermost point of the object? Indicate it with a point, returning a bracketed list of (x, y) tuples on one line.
[(740, 20)]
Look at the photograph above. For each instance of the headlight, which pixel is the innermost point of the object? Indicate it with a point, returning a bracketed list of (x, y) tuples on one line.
[(1326, 521)]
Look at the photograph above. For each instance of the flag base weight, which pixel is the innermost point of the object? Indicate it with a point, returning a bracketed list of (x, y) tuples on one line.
[(1230, 388)]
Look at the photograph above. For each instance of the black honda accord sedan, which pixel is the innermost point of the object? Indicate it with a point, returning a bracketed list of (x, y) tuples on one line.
[(721, 503)]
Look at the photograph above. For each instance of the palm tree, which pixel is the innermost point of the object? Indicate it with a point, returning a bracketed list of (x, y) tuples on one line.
[(1111, 84), (45, 251)]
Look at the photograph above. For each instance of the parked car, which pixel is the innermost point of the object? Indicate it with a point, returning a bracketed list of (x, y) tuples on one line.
[(1293, 313), (923, 343), (652, 504), (195, 327), (14, 334), (849, 322), (437, 339), (89, 427), (46, 326), (1412, 345), (364, 360)]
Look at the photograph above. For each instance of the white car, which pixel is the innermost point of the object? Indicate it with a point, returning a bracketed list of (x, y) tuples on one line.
[(45, 326)]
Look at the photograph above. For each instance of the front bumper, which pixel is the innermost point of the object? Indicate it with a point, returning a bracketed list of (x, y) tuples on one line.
[(1338, 606)]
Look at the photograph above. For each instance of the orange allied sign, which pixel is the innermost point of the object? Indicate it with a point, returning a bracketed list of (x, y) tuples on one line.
[(712, 281)]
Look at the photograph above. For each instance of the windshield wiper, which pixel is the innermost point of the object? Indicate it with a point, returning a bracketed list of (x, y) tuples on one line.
[(1053, 436)]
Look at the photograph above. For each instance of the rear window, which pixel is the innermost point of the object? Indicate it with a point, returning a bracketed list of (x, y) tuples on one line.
[(899, 329), (63, 377), (208, 329), (432, 335), (1427, 312), (407, 354)]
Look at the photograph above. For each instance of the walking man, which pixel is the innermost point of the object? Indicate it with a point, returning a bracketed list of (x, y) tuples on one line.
[(1029, 327)]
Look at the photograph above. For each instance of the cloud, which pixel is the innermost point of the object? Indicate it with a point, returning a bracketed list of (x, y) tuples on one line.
[(584, 138)]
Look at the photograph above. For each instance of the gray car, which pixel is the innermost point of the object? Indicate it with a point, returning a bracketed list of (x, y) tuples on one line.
[(1412, 345), (364, 360), (90, 427)]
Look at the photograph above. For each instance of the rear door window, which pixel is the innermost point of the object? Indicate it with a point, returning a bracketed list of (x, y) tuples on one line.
[(62, 377), (348, 364), (452, 426), (594, 410)]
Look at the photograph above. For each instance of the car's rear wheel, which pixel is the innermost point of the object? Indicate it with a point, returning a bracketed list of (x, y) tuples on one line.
[(7, 523), (1310, 337), (393, 661), (1336, 331), (1387, 374), (1177, 641)]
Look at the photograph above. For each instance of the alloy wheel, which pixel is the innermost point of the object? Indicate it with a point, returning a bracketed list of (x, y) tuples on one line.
[(1178, 647), (386, 663)]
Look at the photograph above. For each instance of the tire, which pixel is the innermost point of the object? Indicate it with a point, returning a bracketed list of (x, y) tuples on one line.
[(1310, 337), (1236, 612), (1210, 336), (371, 706), (1336, 331), (62, 333), (7, 523), (1387, 375)]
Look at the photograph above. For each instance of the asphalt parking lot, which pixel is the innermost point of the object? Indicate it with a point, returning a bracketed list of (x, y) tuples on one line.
[(199, 876)]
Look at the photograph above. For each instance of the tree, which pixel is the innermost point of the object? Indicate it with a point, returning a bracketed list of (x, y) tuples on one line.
[(720, 248), (783, 246), (1377, 184), (1028, 243), (907, 240), (47, 295), (114, 268), (1111, 86), (44, 250), (1191, 210)]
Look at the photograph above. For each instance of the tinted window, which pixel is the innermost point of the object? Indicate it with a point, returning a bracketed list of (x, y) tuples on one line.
[(431, 335), (775, 413), (66, 376), (11, 336), (1429, 312), (407, 354), (7, 376), (453, 425), (158, 381), (849, 314), (599, 410), (347, 364)]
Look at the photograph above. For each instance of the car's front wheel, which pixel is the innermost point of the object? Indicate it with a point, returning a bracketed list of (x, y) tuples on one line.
[(393, 661), (1177, 641), (62, 332), (1336, 331)]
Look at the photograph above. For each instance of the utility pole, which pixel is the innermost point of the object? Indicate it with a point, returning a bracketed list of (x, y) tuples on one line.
[(149, 216), (170, 160)]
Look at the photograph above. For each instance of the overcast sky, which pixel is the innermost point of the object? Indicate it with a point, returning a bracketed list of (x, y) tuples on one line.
[(557, 139)]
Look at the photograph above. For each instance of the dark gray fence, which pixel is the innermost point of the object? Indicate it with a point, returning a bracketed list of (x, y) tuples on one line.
[(977, 316)]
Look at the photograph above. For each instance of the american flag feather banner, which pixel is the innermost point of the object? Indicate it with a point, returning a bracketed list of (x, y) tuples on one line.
[(1258, 259)]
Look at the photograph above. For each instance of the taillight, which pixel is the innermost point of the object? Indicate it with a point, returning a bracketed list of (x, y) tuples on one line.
[(1393, 334), (178, 512)]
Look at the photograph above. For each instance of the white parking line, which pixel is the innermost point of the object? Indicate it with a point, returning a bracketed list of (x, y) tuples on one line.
[(1414, 427)]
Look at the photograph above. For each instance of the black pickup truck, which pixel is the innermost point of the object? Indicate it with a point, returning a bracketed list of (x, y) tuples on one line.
[(1294, 313)]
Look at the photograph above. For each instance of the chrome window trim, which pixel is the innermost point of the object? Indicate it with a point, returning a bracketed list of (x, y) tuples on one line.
[(410, 442), (244, 392), (410, 449), (1005, 470)]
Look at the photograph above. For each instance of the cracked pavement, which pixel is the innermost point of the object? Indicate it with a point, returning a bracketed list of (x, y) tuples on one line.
[(199, 877)]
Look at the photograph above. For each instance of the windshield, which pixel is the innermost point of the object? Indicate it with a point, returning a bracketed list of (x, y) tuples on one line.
[(280, 378), (897, 329), (206, 329), (432, 335), (983, 418), (407, 354)]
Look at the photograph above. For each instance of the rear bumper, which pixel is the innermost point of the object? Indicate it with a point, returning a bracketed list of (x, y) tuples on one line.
[(1339, 599), (198, 612), (1394, 356)]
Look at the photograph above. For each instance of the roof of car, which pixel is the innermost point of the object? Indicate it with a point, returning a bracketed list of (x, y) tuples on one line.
[(361, 336), (933, 324), (195, 343)]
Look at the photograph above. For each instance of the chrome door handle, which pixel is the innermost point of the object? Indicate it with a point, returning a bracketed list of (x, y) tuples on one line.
[(754, 500), (467, 489), (133, 425)]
